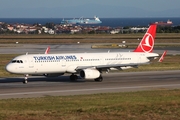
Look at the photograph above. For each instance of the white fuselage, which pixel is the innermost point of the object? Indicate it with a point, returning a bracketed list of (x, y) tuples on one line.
[(69, 63)]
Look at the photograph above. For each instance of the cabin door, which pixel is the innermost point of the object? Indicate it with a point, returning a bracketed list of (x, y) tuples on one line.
[(31, 62), (102, 61), (63, 63)]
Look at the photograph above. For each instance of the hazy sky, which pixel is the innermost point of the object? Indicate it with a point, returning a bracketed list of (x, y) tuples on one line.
[(88, 8)]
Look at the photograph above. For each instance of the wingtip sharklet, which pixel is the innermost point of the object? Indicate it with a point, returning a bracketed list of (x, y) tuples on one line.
[(162, 56), (47, 50)]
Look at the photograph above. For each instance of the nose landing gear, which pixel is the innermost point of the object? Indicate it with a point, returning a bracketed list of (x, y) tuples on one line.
[(25, 81)]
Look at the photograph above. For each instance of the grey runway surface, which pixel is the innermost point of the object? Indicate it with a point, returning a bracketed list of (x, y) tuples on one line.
[(113, 82)]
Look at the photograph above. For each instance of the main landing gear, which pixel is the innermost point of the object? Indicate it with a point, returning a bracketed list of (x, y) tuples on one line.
[(73, 77), (25, 81), (99, 79)]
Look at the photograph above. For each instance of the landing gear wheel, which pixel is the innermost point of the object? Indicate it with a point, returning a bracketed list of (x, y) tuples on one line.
[(25, 79), (73, 77), (99, 79)]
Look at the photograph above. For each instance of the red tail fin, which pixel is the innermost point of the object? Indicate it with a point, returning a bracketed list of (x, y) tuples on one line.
[(147, 43)]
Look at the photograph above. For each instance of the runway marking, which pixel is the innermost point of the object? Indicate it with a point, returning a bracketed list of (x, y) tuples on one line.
[(82, 90)]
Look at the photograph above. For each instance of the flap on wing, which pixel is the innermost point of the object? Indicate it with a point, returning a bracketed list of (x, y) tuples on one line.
[(84, 67), (118, 65), (109, 66)]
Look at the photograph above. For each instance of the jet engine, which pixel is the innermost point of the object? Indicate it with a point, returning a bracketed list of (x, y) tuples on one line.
[(89, 73)]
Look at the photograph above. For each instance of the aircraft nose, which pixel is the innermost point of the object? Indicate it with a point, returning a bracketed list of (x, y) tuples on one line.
[(9, 68)]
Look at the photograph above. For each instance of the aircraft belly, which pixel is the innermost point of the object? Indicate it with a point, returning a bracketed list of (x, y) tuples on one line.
[(46, 68)]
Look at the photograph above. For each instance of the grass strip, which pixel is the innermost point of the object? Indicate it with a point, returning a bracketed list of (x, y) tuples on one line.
[(142, 105)]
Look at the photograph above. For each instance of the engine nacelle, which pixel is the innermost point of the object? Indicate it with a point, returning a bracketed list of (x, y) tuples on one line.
[(53, 74), (89, 73)]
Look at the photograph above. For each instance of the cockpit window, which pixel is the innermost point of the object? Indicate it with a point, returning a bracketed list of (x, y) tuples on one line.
[(13, 61), (16, 61)]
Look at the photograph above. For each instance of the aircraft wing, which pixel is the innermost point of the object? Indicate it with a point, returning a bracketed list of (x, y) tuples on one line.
[(109, 66)]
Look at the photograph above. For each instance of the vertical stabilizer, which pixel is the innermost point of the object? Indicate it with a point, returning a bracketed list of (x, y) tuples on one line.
[(147, 43)]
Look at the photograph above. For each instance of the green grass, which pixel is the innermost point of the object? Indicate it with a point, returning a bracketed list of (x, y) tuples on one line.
[(144, 105)]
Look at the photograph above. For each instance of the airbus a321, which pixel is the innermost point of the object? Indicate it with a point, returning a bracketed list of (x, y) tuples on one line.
[(84, 65)]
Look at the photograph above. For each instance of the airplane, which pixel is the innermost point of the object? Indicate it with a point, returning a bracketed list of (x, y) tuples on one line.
[(86, 65), (81, 20)]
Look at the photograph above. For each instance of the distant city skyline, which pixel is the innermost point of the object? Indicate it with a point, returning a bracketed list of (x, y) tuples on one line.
[(88, 8)]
